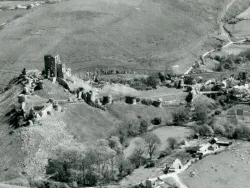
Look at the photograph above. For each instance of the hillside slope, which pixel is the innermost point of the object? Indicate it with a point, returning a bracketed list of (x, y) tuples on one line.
[(25, 151), (138, 33)]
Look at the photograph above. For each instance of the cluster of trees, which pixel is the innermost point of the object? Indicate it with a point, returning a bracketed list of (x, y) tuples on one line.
[(102, 163), (180, 116), (231, 61), (130, 129), (146, 83), (227, 129)]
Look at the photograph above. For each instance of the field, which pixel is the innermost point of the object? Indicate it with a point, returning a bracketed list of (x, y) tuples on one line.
[(237, 8), (88, 124), (165, 93), (225, 170), (180, 133), (138, 33), (127, 111), (163, 133), (10, 15)]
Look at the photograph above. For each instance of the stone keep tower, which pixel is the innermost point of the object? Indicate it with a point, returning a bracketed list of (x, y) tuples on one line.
[(53, 66), (50, 66)]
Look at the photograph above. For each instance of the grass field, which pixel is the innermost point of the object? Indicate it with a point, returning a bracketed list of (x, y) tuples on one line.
[(225, 170), (165, 93), (237, 8), (127, 111), (88, 124), (163, 133)]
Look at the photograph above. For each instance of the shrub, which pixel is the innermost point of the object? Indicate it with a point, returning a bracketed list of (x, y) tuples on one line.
[(147, 102), (156, 121), (188, 80), (165, 153), (150, 164), (229, 130), (219, 129)]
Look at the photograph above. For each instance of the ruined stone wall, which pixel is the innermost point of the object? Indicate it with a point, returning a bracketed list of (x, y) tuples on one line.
[(50, 67), (63, 83)]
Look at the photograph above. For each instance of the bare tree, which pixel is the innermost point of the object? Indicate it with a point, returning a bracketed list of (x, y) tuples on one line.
[(138, 152), (152, 143)]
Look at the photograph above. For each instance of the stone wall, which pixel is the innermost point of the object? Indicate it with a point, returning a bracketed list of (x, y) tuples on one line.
[(63, 83)]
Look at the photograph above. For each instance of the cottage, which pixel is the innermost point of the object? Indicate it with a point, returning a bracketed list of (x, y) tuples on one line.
[(213, 147), (173, 165), (204, 148), (213, 140)]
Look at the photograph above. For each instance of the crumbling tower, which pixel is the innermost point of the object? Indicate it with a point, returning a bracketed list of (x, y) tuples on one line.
[(54, 67), (50, 66)]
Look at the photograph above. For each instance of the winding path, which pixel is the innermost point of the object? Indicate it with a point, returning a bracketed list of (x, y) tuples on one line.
[(224, 33)]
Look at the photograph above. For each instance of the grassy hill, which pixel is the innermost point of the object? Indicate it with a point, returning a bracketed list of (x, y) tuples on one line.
[(138, 33)]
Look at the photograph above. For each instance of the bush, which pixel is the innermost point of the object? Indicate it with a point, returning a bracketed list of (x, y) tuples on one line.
[(165, 153), (156, 121), (188, 80), (229, 130), (180, 116), (150, 164), (148, 102), (204, 130), (242, 132)]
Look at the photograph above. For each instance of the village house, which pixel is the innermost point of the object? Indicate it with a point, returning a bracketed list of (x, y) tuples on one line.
[(173, 164)]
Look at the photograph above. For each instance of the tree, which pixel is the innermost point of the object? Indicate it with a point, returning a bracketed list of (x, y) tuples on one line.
[(188, 80), (143, 126), (59, 167), (180, 116), (189, 97), (139, 150), (124, 166), (200, 114), (172, 142), (156, 121), (152, 143), (115, 144), (152, 81)]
